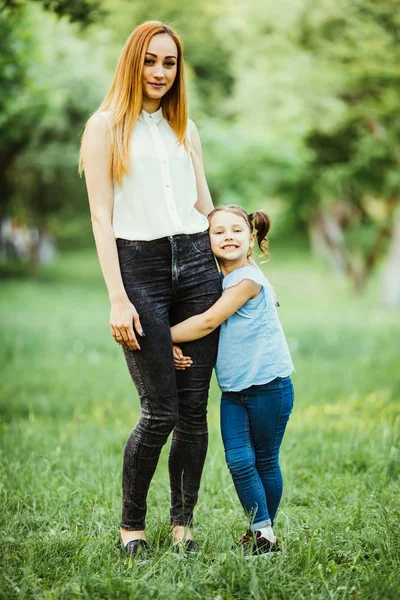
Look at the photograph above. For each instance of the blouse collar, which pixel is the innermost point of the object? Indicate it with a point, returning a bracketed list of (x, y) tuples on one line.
[(156, 116)]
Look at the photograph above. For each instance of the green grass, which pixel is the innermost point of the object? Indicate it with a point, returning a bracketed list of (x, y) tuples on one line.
[(67, 406)]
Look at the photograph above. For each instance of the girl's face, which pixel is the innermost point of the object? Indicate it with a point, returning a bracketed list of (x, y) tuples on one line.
[(160, 66), (230, 237)]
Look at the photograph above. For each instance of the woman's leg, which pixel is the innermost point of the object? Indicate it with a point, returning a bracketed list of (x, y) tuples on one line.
[(269, 408), (240, 456), (159, 413), (197, 287), (190, 438), (146, 272)]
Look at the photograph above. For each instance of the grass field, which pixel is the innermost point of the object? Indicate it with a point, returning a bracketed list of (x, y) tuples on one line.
[(67, 406)]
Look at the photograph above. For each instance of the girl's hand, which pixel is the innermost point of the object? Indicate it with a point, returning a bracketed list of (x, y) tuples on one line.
[(122, 318), (181, 362)]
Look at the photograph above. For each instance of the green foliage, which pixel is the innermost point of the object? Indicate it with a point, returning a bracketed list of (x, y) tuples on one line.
[(17, 111), (84, 12), (297, 106), (318, 85), (43, 174), (206, 51), (73, 405), (310, 90)]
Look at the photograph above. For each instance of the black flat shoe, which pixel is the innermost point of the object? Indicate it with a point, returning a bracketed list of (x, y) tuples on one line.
[(187, 547), (138, 549)]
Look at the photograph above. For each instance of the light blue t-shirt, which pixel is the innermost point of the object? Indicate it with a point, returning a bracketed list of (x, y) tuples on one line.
[(252, 347)]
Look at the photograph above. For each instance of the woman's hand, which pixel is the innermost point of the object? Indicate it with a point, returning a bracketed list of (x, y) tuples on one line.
[(122, 318), (181, 362)]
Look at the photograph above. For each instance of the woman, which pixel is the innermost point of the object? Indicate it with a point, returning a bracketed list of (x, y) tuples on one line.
[(149, 199)]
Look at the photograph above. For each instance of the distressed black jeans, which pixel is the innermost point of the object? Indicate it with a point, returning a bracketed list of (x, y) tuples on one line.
[(168, 280)]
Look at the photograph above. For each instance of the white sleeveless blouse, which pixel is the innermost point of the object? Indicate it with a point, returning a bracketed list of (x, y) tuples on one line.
[(157, 197)]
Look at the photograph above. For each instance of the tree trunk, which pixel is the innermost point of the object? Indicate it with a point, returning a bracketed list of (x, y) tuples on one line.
[(391, 274), (326, 239), (34, 262)]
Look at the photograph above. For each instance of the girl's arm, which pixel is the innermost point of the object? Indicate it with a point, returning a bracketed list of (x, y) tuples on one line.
[(201, 325), (204, 202), (101, 199)]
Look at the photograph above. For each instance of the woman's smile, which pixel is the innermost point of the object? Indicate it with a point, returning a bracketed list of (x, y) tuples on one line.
[(161, 62)]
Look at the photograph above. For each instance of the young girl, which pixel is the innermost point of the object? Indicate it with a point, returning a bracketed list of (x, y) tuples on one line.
[(253, 369)]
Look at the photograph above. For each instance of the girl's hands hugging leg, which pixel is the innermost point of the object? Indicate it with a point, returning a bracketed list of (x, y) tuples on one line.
[(181, 362)]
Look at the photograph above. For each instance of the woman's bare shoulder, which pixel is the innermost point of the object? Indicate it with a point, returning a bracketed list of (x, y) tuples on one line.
[(194, 137), (96, 138), (100, 121), (192, 127)]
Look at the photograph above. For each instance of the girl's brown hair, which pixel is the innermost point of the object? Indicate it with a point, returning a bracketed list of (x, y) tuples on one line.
[(258, 222), (125, 96)]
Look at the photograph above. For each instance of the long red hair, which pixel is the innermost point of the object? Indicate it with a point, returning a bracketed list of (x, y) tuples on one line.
[(125, 96)]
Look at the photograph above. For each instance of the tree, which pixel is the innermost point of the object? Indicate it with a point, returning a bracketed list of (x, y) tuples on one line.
[(60, 90), (354, 169), (84, 12), (18, 112), (294, 111), (325, 106)]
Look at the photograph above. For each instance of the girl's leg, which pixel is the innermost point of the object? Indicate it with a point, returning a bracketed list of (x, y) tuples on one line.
[(240, 456), (197, 287), (146, 272), (269, 408)]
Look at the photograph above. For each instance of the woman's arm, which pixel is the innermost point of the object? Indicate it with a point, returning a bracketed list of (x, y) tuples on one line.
[(201, 325), (101, 200), (204, 202)]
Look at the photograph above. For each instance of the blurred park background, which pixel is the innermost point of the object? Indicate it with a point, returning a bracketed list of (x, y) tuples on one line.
[(298, 108)]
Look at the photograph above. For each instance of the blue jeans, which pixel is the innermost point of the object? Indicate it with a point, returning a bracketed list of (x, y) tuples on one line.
[(253, 422)]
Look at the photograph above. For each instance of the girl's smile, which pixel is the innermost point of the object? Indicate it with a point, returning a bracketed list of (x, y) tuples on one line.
[(231, 239)]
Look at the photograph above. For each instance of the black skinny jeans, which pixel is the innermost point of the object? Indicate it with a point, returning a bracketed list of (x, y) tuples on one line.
[(168, 280)]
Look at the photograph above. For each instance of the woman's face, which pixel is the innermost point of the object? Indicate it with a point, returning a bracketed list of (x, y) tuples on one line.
[(160, 66), (230, 237)]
